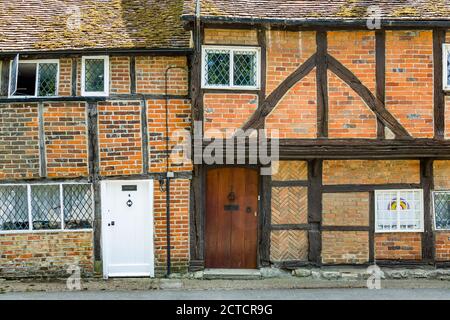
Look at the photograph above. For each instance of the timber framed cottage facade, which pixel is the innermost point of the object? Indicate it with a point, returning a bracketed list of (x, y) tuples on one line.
[(94, 95)]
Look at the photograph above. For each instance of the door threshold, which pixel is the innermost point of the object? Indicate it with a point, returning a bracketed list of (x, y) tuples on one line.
[(231, 274)]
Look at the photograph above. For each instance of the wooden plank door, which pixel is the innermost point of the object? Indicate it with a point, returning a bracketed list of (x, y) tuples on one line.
[(231, 234)]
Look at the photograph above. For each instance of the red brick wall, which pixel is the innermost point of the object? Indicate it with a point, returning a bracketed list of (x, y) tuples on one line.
[(120, 75), (65, 77), (442, 174), (230, 37), (370, 171), (19, 150), (409, 70), (286, 51), (345, 247), (45, 254), (345, 209), (442, 241), (179, 121), (296, 114), (150, 75), (398, 246), (227, 111), (179, 215), (66, 140), (120, 138)]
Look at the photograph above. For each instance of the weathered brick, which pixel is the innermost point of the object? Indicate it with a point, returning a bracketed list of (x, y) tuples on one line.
[(345, 247), (398, 246)]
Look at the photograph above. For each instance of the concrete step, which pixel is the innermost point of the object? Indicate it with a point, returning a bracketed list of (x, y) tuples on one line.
[(231, 274)]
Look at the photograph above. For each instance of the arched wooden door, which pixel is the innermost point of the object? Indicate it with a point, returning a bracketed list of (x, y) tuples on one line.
[(231, 235)]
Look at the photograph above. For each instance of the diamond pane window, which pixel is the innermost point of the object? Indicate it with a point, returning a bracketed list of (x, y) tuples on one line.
[(46, 207), (34, 78), (78, 210), (13, 208), (442, 210), (230, 67), (47, 79), (95, 76), (217, 68), (399, 210), (245, 69)]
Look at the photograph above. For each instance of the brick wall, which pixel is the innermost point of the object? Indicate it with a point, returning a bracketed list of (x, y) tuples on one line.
[(120, 138), (345, 209), (65, 77), (290, 171), (19, 151), (370, 171), (289, 245), (45, 254), (179, 121), (230, 37), (225, 113), (398, 246), (179, 216), (348, 247), (442, 174), (151, 71), (120, 75), (286, 51), (295, 116), (442, 245), (409, 69), (66, 142), (349, 116)]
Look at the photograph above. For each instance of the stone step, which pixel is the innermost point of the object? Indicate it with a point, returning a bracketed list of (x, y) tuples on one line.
[(231, 274)]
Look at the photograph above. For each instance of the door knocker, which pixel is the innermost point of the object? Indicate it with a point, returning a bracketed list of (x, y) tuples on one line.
[(231, 196)]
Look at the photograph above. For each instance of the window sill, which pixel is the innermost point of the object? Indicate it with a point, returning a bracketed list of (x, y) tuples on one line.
[(399, 231), (4, 232)]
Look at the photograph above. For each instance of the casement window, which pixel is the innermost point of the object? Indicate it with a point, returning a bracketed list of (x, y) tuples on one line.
[(441, 208), (95, 76), (33, 78), (41, 207), (446, 64), (231, 67), (399, 211)]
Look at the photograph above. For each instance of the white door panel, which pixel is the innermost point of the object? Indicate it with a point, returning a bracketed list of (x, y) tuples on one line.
[(127, 214)]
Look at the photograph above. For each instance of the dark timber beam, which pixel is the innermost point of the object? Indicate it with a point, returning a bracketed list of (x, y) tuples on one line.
[(315, 211), (427, 183), (74, 74), (256, 121), (439, 97), (263, 45), (265, 220), (373, 103), (380, 58), (322, 84)]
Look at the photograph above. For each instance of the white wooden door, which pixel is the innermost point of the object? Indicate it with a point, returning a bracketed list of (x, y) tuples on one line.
[(127, 220)]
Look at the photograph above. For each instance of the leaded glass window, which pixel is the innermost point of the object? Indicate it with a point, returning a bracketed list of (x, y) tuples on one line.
[(95, 75), (36, 207), (231, 67), (399, 210), (34, 78), (441, 202)]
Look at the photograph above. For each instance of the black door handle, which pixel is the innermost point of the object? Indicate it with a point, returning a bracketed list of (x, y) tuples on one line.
[(111, 224)]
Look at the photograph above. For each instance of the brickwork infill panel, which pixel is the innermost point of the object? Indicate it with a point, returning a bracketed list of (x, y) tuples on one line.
[(289, 245), (290, 171), (345, 247), (120, 138), (398, 246), (295, 116), (66, 141), (409, 70), (345, 209), (442, 174), (289, 205), (45, 254), (19, 146), (230, 37), (442, 245), (370, 171)]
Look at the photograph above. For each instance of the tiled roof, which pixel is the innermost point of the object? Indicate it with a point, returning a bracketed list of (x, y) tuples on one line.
[(247, 10), (44, 25)]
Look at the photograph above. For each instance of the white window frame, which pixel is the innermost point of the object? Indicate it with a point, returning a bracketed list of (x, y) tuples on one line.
[(37, 62), (446, 54), (232, 50), (399, 191), (434, 209), (103, 93), (30, 218)]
